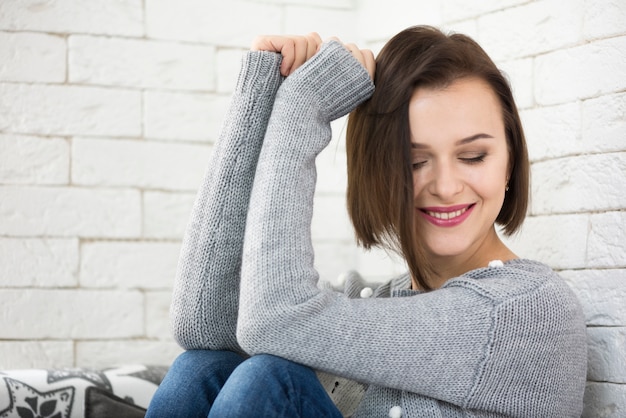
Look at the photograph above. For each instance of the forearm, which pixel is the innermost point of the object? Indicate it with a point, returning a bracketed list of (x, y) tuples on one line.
[(206, 291)]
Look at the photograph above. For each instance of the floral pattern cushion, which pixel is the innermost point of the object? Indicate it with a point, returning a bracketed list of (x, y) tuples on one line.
[(123, 392)]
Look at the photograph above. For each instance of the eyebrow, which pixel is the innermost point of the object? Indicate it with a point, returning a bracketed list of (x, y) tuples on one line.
[(417, 145)]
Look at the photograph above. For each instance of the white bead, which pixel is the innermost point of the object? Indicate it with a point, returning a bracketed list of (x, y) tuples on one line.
[(395, 412), (366, 292), (495, 263)]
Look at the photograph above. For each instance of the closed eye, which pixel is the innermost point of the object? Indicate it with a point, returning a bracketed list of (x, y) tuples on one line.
[(474, 160)]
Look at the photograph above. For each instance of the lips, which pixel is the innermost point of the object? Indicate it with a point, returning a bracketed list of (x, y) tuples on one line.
[(447, 216)]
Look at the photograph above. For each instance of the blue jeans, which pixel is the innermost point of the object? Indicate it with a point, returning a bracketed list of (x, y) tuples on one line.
[(204, 383)]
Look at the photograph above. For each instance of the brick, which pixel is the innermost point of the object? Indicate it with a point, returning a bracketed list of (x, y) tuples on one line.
[(69, 110), (531, 29), (607, 362), (552, 131), (330, 219), (18, 355), (376, 23), (184, 116), (228, 65), (601, 293), (38, 262), (581, 72), (157, 314), (604, 18), (559, 241), (327, 4), (379, 266), (604, 123), (68, 314), (520, 76), (100, 354), (459, 9), (69, 16), (333, 259), (128, 265), (67, 212), (326, 22), (32, 57), (605, 400), (332, 169), (34, 160), (140, 63), (467, 27), (165, 215), (233, 23), (145, 164), (577, 184), (607, 238)]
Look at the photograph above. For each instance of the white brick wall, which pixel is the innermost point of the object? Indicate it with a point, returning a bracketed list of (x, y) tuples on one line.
[(108, 112)]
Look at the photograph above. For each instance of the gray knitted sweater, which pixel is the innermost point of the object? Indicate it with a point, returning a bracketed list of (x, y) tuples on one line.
[(496, 341)]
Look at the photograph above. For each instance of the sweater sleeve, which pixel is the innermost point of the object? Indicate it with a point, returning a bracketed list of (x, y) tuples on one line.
[(438, 344), (204, 305)]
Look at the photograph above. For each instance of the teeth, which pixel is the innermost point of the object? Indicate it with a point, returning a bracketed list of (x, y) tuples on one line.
[(447, 215)]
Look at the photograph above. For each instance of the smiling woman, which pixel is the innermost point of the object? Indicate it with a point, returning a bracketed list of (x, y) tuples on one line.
[(436, 158)]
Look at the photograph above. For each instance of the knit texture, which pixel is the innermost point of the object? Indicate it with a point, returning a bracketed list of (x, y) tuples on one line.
[(497, 341)]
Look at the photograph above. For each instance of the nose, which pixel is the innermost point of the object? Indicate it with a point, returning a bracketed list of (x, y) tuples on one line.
[(446, 182)]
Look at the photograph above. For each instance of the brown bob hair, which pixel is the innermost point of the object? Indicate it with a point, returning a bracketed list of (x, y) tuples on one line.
[(380, 177)]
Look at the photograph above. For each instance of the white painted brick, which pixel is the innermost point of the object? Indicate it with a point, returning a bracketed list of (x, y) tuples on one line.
[(330, 219), (576, 184), (228, 66), (604, 18), (582, 72), (530, 29), (157, 314), (461, 9), (65, 16), (69, 110), (38, 262), (112, 162), (520, 76), (165, 215), (379, 266), (602, 294), (33, 160), (331, 4), (63, 314), (184, 116), (143, 265), (234, 23), (326, 22), (607, 240), (378, 21), (553, 131), (332, 170), (32, 211), (140, 63), (17, 355), (604, 123), (604, 400), (32, 57), (607, 362), (560, 241), (466, 27), (333, 259), (100, 354)]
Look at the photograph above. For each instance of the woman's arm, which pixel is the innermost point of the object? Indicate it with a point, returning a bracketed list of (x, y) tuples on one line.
[(456, 344), (206, 291)]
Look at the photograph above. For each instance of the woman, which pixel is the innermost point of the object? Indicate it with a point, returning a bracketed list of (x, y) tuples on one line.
[(436, 158)]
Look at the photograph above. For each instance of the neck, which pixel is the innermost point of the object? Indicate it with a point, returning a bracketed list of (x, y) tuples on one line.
[(448, 267)]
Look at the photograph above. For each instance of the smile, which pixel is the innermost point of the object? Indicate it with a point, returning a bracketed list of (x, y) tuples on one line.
[(447, 216)]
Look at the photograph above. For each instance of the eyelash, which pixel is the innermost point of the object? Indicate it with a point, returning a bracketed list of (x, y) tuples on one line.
[(473, 160)]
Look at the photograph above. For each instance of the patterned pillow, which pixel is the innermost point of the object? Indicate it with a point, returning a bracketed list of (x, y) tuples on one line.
[(77, 393)]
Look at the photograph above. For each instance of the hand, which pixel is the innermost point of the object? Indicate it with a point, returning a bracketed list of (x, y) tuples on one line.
[(296, 50)]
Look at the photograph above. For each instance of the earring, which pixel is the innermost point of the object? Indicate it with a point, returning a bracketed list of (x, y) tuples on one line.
[(506, 188)]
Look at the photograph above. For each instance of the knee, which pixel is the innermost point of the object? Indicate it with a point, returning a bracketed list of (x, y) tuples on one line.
[(195, 365)]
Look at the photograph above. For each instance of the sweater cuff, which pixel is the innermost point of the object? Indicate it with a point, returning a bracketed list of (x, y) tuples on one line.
[(336, 78), (260, 70)]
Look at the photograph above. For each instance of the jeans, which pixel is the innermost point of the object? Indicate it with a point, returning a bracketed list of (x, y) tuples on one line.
[(204, 383)]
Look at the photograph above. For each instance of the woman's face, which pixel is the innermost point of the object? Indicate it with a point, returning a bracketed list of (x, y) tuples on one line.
[(460, 167)]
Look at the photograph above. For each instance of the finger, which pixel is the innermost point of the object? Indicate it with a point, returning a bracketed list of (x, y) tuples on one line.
[(300, 54), (287, 49), (370, 62), (314, 42)]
